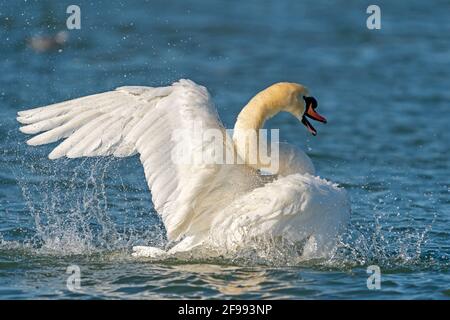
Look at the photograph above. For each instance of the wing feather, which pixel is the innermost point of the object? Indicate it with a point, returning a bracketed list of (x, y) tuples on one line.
[(153, 122)]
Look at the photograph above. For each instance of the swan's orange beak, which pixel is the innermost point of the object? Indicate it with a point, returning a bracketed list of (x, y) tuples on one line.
[(310, 112)]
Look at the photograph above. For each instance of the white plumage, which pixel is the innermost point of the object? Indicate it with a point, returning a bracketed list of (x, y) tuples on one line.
[(221, 206)]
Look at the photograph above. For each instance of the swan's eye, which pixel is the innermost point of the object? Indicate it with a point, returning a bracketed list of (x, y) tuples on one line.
[(310, 102)]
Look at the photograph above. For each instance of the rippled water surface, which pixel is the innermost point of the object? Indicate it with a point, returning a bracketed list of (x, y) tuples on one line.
[(384, 92)]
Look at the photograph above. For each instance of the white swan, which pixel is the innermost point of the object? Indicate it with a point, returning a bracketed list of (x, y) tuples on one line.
[(215, 205)]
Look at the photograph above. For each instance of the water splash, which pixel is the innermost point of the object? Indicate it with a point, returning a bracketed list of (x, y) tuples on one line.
[(87, 206), (377, 241), (83, 206)]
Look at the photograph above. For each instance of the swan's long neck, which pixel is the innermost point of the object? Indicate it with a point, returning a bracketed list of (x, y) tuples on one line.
[(251, 119), (264, 105)]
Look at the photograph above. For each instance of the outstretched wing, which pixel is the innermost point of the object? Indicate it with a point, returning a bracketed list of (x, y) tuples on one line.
[(165, 126)]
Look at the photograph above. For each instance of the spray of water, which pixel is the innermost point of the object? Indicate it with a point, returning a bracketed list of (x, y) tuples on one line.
[(84, 206)]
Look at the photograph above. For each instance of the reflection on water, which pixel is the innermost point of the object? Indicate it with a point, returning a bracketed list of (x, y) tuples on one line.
[(227, 280)]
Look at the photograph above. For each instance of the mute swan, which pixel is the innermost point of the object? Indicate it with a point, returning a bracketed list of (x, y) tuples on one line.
[(214, 205)]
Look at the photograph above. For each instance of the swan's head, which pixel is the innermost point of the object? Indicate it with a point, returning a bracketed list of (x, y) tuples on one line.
[(295, 99)]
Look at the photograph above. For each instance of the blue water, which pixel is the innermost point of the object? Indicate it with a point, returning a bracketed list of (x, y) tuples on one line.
[(384, 92)]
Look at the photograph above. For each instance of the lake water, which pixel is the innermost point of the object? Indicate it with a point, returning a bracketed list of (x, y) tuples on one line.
[(384, 92)]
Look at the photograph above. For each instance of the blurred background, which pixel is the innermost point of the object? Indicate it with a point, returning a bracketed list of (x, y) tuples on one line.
[(384, 92)]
